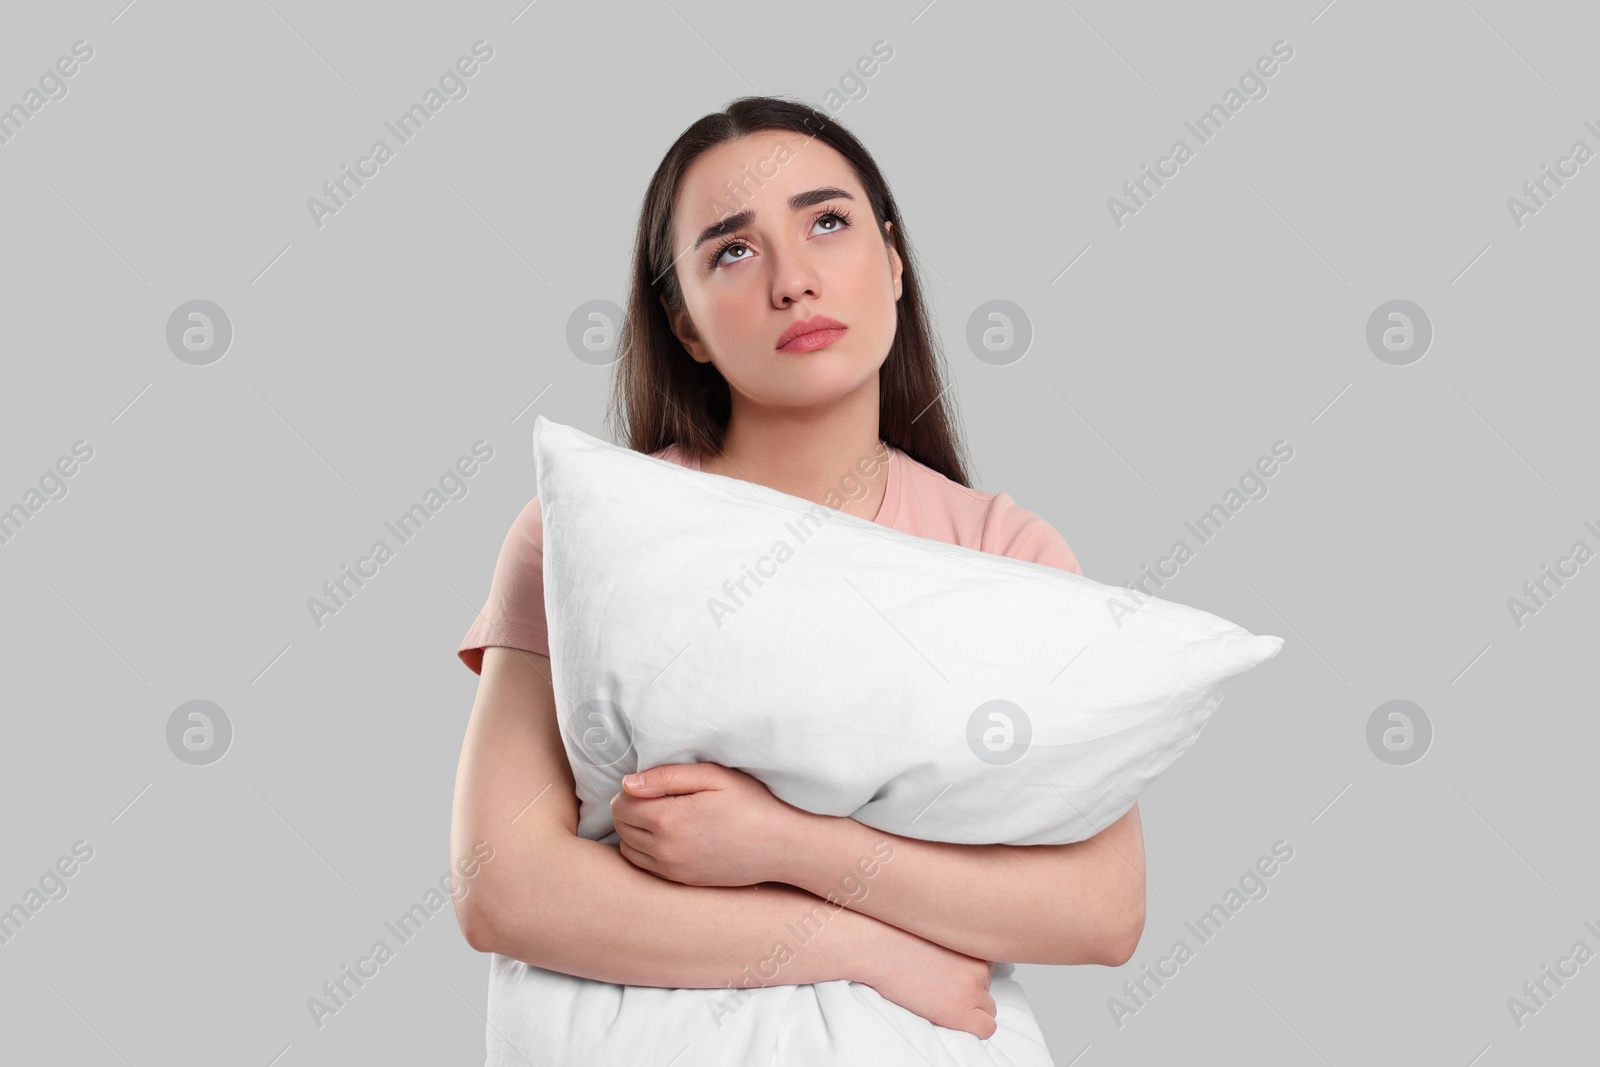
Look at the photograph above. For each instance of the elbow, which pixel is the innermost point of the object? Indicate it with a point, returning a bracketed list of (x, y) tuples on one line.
[(1109, 941), (1120, 948), (476, 922), (480, 917), (495, 909), (494, 917)]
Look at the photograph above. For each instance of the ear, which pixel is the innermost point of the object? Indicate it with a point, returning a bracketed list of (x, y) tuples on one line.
[(895, 265), (683, 329)]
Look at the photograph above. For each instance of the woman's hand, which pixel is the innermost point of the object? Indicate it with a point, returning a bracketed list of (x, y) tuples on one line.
[(704, 824), (946, 987)]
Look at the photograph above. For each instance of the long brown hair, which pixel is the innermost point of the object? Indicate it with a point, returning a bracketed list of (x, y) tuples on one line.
[(661, 395)]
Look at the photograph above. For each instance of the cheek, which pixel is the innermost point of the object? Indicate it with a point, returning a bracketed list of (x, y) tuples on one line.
[(737, 322), (872, 293), (871, 277)]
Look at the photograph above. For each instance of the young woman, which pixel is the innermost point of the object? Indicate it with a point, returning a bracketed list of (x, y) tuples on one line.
[(775, 332)]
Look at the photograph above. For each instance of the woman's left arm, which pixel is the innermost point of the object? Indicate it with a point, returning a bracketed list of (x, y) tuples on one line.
[(1082, 902)]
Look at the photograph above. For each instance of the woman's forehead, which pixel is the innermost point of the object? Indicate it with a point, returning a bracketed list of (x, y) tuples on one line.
[(757, 172)]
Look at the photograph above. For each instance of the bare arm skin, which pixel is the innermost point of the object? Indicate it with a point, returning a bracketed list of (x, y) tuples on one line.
[(573, 905), (1082, 902), (568, 904)]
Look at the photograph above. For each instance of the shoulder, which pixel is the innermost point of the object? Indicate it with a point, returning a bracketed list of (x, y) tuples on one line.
[(989, 522), (676, 453), (1023, 534)]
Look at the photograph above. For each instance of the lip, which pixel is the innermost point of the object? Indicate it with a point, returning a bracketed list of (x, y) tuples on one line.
[(816, 324), (810, 342)]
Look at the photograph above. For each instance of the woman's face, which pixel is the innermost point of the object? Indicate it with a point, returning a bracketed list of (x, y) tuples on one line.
[(793, 258)]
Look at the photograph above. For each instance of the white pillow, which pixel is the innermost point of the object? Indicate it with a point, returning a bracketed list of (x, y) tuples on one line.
[(926, 689)]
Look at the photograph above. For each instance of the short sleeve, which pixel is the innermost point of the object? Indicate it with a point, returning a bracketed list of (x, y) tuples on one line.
[(1013, 530), (514, 614)]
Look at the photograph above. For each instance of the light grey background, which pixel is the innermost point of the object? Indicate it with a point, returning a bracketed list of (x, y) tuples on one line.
[(368, 355)]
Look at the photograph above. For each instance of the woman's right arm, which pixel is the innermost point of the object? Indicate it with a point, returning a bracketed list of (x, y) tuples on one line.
[(568, 904)]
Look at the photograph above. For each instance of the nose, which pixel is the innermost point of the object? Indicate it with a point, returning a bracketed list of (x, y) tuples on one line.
[(794, 276)]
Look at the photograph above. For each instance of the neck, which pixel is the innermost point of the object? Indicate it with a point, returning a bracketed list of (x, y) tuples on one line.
[(832, 456)]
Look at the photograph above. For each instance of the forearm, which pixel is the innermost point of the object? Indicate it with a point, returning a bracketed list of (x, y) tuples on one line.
[(579, 907), (1075, 903)]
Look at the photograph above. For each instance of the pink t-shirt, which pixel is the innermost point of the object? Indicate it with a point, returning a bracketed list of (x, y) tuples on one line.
[(917, 500)]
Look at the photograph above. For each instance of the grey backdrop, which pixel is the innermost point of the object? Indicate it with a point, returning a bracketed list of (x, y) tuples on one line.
[(1170, 349)]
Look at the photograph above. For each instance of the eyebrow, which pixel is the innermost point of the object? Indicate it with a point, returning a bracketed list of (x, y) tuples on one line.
[(740, 219)]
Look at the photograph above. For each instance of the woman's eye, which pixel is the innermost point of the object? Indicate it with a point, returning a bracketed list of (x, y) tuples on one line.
[(720, 256), (838, 222)]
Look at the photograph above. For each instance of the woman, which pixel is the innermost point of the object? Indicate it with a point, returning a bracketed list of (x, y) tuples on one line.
[(775, 332)]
